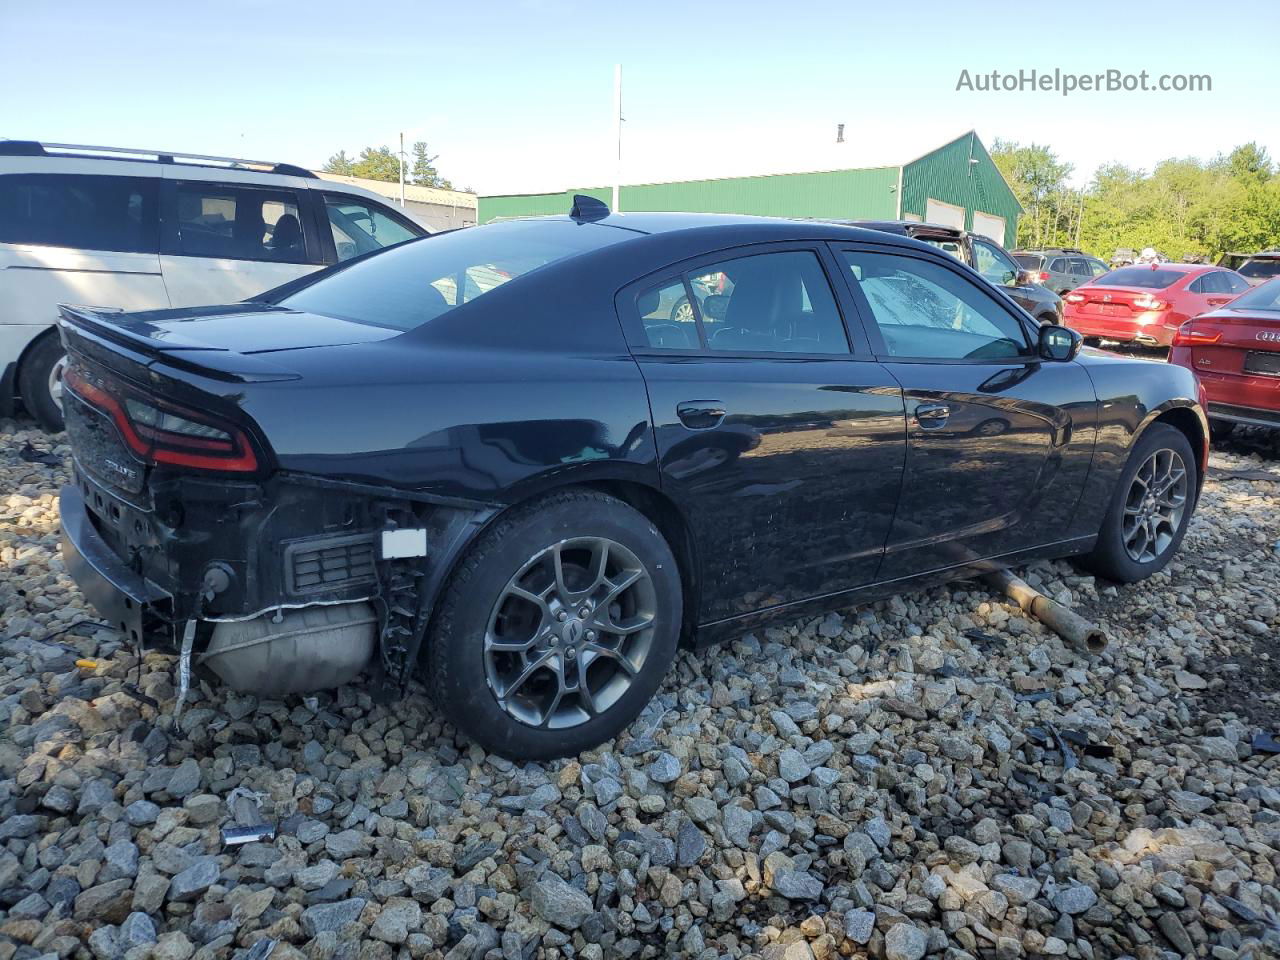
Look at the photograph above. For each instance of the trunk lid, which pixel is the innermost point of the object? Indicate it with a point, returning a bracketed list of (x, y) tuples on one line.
[(1248, 343), (1097, 301)]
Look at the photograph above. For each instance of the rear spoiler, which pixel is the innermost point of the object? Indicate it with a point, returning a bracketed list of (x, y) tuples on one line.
[(98, 332)]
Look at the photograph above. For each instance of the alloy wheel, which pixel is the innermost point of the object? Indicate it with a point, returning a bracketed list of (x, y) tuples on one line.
[(683, 312), (570, 632), (1154, 505)]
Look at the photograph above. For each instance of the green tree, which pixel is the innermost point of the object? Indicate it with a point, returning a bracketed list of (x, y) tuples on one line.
[(340, 164), (377, 163), (423, 171), (1039, 181)]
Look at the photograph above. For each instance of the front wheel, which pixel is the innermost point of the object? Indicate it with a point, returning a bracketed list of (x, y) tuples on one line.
[(40, 382), (557, 627), (1150, 508)]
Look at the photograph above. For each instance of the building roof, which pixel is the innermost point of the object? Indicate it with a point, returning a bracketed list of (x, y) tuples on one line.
[(412, 192), (855, 154)]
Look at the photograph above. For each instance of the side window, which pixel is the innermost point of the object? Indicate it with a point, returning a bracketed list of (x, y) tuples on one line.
[(767, 303), (1080, 267), (994, 265), (82, 211), (1217, 282), (771, 303), (668, 318), (239, 223), (924, 310), (1236, 283), (1197, 286), (1098, 268), (1058, 265), (361, 226)]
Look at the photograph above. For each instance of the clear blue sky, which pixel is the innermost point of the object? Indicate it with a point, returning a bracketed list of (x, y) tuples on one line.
[(518, 95)]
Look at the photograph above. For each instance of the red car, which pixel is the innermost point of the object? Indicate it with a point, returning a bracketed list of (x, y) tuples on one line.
[(1235, 351), (1146, 304)]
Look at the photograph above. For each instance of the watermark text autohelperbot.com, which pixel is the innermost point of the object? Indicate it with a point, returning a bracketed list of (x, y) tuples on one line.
[(1066, 83)]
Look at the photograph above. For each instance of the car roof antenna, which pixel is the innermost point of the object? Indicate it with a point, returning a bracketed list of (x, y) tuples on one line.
[(588, 209)]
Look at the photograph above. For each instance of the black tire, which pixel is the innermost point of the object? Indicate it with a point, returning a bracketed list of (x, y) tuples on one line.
[(1109, 557), (456, 661), (33, 381)]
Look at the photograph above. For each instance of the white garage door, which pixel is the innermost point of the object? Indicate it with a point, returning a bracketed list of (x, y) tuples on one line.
[(989, 225), (935, 211)]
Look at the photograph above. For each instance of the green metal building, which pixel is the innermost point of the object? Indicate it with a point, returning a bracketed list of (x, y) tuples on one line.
[(956, 184)]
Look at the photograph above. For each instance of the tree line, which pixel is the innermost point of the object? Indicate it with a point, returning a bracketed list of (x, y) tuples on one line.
[(382, 163), (1183, 207)]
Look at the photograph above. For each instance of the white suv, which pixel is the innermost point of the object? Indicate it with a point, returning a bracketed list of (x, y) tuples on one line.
[(143, 230)]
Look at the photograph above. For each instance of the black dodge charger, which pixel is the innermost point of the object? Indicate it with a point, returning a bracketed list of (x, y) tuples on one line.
[(497, 456)]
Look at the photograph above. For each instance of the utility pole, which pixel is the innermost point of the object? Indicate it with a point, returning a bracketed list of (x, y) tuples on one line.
[(401, 169), (1079, 218), (617, 134)]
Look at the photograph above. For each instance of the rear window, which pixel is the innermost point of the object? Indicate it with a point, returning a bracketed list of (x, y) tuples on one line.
[(1143, 277), (1265, 297), (82, 211), (1028, 261), (1260, 268), (405, 286)]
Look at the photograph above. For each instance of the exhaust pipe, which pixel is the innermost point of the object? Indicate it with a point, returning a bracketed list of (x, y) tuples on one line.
[(1078, 633)]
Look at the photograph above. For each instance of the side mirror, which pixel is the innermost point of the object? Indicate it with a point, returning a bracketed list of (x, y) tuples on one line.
[(1058, 343), (715, 306)]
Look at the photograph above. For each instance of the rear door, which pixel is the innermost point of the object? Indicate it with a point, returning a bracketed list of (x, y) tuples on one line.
[(998, 442), (226, 241), (782, 440), (90, 239)]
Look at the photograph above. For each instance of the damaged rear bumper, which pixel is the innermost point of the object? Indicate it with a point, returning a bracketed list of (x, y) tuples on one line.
[(122, 596)]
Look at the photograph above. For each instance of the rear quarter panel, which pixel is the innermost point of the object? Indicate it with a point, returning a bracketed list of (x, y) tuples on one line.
[(1132, 394)]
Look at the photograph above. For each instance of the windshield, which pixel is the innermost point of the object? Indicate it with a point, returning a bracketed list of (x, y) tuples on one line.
[(406, 286), (1269, 267), (1265, 297), (1143, 277)]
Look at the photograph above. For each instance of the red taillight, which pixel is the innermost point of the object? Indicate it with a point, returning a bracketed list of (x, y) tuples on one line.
[(1188, 336), (1044, 276), (1145, 301), (1074, 298), (162, 432)]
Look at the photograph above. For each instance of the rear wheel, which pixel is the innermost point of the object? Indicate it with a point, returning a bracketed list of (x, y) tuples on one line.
[(557, 628), (40, 382), (682, 312), (1150, 508)]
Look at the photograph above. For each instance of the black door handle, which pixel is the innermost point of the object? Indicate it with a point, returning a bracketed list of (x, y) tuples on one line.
[(700, 414)]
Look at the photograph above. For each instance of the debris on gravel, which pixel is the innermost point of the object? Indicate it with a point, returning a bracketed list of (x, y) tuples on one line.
[(934, 775)]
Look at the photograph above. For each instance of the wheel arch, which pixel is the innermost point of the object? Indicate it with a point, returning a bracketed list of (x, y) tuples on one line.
[(645, 499), (1188, 421)]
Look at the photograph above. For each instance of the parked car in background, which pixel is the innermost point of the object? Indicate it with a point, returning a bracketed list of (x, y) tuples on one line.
[(1258, 268), (1235, 351), (533, 491), (986, 256), (137, 230), (1060, 269), (1146, 304)]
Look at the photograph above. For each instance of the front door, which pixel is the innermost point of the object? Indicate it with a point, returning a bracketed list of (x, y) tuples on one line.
[(782, 445), (999, 443), (226, 242)]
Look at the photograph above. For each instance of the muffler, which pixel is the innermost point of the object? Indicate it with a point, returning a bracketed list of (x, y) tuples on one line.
[(293, 651)]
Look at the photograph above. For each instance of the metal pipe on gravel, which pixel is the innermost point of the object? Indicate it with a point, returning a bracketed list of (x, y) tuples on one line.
[(1078, 633)]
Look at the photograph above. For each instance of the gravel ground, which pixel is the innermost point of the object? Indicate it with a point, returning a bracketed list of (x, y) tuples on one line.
[(933, 775)]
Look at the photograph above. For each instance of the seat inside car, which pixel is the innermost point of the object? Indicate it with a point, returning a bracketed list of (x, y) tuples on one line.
[(286, 238)]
